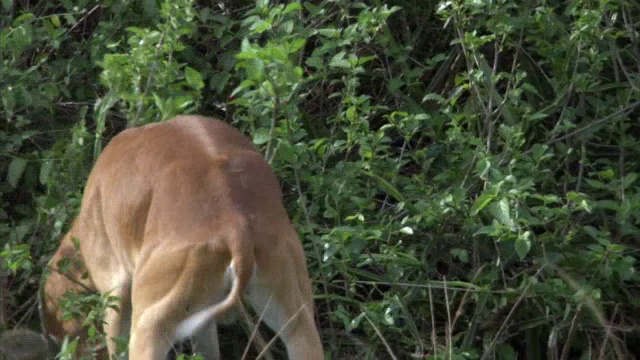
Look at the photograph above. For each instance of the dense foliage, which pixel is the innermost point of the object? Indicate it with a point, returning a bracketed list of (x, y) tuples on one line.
[(463, 174)]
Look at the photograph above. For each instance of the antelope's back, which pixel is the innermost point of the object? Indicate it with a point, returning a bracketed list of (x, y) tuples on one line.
[(156, 146), (174, 180)]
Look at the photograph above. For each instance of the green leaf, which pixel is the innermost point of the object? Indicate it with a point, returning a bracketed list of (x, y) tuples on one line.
[(538, 116), (339, 61), (16, 256), (596, 184), (70, 19), (55, 20), (295, 6), (150, 9), (505, 351), (388, 316), (523, 245), (16, 169), (502, 212), (193, 77), (629, 179), (487, 230), (386, 186), (483, 200), (296, 45), (407, 230), (592, 232), (23, 18), (608, 205), (365, 59), (315, 62), (461, 254), (287, 26), (482, 167), (261, 136), (434, 97), (45, 170), (260, 26), (218, 80), (329, 32)]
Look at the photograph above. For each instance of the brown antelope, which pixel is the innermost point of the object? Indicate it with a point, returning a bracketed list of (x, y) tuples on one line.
[(179, 220)]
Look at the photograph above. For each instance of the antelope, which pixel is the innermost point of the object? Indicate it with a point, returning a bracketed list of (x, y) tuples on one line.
[(181, 220)]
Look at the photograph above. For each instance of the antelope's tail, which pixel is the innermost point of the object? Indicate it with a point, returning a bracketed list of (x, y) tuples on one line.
[(242, 262)]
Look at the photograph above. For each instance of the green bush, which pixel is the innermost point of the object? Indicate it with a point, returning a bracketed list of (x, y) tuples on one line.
[(463, 173)]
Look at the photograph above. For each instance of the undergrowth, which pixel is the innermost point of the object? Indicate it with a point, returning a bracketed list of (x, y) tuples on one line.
[(463, 174)]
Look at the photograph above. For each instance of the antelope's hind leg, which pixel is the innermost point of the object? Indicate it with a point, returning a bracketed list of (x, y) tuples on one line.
[(281, 293), (170, 288)]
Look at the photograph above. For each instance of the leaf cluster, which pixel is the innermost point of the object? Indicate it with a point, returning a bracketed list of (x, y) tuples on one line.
[(463, 173)]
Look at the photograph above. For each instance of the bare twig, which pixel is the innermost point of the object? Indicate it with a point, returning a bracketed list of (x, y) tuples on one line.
[(384, 341), (489, 348)]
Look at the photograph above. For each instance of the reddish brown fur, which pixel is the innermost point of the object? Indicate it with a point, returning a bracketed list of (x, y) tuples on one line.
[(166, 208)]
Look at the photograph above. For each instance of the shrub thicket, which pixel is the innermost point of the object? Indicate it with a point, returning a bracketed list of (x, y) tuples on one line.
[(464, 173)]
